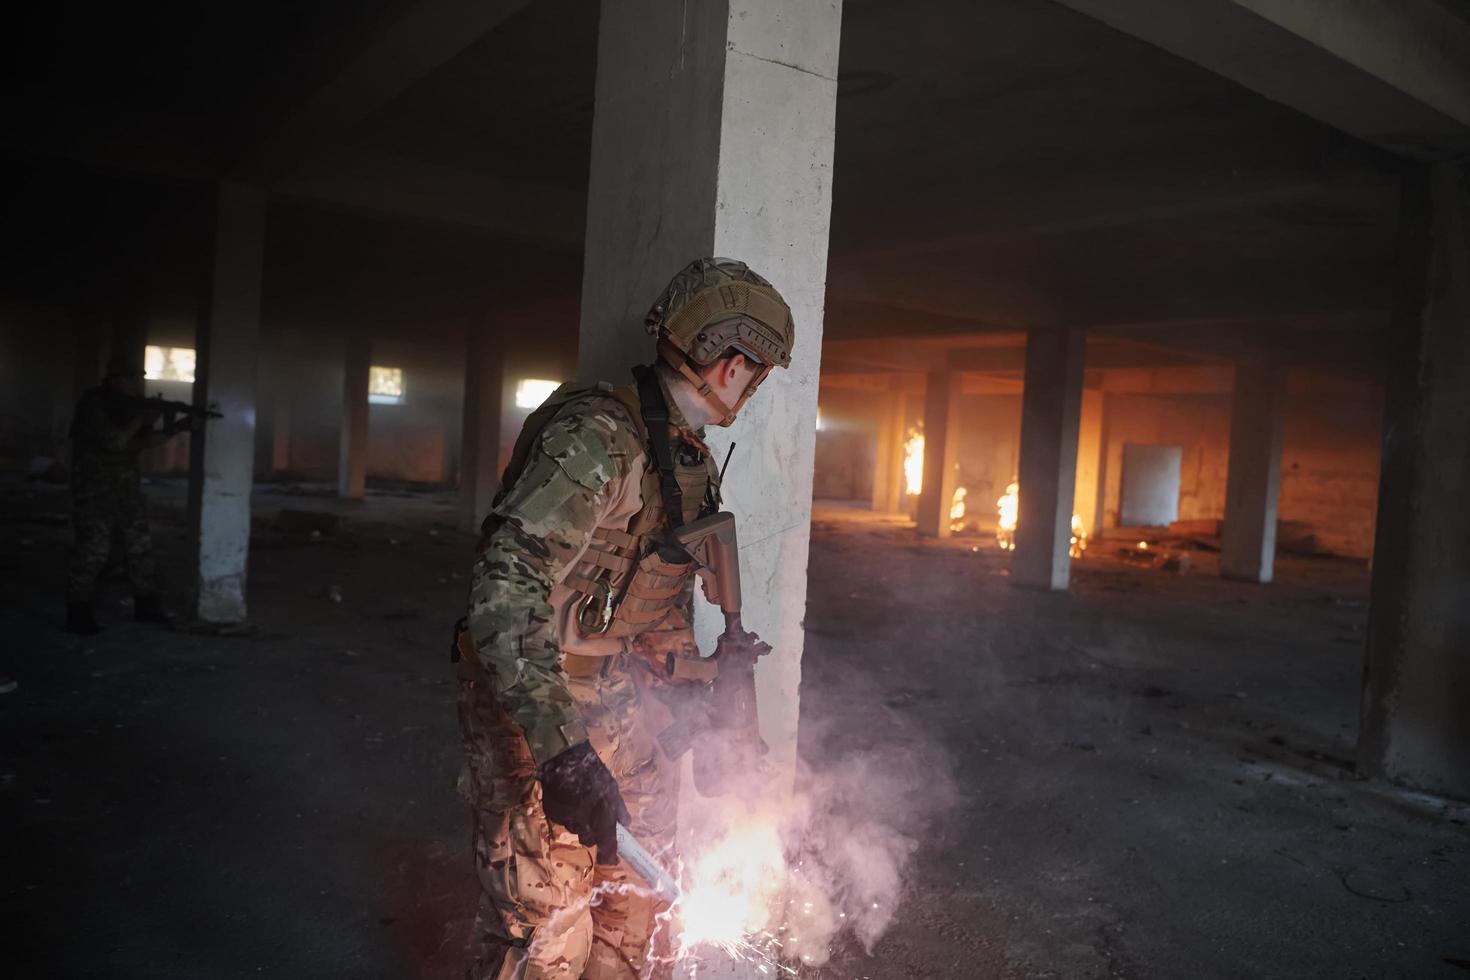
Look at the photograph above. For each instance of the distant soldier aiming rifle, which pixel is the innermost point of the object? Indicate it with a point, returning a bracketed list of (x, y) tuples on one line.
[(112, 424)]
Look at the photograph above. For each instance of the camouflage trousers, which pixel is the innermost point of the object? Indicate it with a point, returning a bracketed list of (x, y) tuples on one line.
[(547, 909), (107, 500)]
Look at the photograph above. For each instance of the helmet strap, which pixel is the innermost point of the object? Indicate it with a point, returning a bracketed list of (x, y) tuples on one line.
[(724, 414)]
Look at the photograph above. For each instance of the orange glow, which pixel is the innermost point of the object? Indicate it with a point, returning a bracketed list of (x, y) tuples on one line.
[(913, 464), (1079, 537), (957, 509), (1008, 512), (1008, 509)]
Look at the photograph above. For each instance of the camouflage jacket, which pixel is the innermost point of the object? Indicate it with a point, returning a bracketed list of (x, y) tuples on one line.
[(585, 472), (102, 429)]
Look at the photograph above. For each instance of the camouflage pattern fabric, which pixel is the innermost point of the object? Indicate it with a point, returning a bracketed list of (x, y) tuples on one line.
[(546, 908), (107, 496), (541, 528)]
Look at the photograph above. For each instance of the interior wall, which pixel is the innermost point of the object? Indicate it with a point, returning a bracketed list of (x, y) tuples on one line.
[(847, 444), (1329, 463), (417, 441), (1199, 424), (989, 450), (306, 374), (37, 352)]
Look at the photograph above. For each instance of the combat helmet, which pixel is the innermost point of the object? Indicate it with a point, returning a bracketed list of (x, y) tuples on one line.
[(714, 306), (123, 365)]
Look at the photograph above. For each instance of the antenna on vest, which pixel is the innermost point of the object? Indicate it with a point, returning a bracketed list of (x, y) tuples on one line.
[(726, 465)]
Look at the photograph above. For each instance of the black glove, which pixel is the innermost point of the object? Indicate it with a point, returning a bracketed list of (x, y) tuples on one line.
[(579, 793)]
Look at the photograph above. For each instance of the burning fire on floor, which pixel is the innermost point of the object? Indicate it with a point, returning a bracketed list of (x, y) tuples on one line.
[(1008, 514), (1007, 510), (913, 463), (957, 509)]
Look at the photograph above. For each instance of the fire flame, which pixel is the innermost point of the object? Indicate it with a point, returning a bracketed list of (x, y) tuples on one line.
[(1008, 511), (957, 509), (1079, 537), (913, 464)]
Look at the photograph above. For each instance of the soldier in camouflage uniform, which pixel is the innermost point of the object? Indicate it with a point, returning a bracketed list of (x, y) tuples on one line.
[(575, 600), (108, 431)]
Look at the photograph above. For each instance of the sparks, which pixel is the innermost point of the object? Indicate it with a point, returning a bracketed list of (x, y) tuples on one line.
[(740, 898)]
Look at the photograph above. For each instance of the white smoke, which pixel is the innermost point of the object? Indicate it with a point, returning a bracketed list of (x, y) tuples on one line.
[(830, 858)]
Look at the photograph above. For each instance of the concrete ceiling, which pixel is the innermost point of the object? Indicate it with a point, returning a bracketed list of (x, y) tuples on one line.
[(998, 163)]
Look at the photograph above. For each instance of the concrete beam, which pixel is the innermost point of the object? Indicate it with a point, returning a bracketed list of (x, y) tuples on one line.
[(1395, 74), (1415, 726), (368, 180), (941, 451), (222, 453), (1257, 425), (713, 135), (425, 37), (1051, 405), (1180, 380)]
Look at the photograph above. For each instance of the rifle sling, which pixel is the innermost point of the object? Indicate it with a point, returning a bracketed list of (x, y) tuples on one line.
[(656, 419)]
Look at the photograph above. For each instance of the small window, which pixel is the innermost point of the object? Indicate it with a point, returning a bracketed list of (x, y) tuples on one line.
[(168, 363), (531, 392), (385, 385)]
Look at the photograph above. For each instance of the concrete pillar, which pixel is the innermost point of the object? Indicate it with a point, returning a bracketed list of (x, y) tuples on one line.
[(941, 448), (1087, 499), (479, 457), (1248, 536), (888, 460), (1051, 404), (223, 452), (713, 135), (1415, 723), (280, 449), (352, 441)]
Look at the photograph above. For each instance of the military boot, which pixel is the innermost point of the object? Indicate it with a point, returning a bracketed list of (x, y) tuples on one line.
[(147, 609), (79, 619)]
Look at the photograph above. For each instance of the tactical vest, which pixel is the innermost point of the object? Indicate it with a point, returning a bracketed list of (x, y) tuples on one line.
[(631, 579)]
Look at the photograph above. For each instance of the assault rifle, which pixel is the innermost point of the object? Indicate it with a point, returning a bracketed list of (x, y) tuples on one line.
[(721, 720), (158, 405)]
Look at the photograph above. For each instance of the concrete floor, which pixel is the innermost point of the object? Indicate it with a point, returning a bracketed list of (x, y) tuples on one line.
[(1145, 775)]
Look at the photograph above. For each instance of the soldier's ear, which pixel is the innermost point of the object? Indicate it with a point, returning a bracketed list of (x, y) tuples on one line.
[(733, 368)]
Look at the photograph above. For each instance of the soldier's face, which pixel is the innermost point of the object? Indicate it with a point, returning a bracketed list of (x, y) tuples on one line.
[(127, 384), (730, 376)]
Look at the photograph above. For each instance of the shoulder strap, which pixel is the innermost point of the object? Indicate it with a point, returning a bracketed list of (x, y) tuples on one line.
[(655, 413)]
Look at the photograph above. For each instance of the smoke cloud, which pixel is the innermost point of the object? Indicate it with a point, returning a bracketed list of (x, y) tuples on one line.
[(782, 878)]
